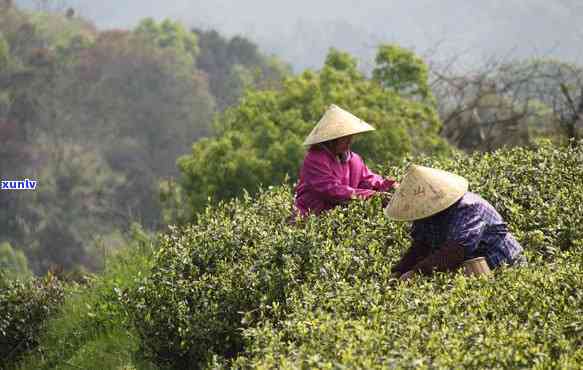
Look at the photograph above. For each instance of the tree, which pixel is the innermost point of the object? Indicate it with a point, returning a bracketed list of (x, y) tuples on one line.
[(234, 65), (137, 98), (13, 263), (74, 202), (4, 53), (510, 103), (259, 142), (98, 118), (171, 36), (402, 71)]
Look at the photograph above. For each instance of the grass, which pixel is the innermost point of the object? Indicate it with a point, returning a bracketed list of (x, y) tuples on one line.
[(92, 330)]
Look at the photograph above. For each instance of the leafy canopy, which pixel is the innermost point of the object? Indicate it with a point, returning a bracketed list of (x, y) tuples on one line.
[(169, 35), (259, 142)]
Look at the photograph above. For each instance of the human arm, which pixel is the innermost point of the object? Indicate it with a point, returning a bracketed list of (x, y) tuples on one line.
[(420, 248), (417, 252), (448, 257), (371, 180), (464, 233)]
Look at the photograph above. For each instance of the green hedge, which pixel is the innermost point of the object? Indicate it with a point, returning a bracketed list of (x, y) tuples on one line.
[(241, 287), (527, 318)]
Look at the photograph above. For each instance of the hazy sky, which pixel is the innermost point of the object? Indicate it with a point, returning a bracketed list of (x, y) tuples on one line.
[(301, 31)]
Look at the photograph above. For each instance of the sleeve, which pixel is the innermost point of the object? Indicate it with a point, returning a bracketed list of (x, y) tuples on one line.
[(463, 236), (417, 252), (448, 257), (467, 228), (418, 233), (370, 180), (320, 177)]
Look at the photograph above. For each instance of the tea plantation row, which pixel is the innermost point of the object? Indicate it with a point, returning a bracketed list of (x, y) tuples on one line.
[(243, 288)]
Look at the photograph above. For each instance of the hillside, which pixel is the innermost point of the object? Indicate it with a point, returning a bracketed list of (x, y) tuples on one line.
[(302, 32), (240, 288), (165, 157)]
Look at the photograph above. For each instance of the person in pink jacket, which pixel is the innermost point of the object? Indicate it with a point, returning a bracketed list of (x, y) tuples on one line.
[(331, 173)]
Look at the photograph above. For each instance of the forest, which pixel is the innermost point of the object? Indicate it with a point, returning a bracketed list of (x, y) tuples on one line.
[(165, 159)]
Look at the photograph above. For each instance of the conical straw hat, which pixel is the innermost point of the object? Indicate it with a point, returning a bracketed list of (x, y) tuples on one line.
[(336, 123), (424, 192)]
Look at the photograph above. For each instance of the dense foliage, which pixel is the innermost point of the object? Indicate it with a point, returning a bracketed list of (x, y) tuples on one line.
[(242, 284), (49, 323), (99, 118), (259, 142), (13, 262), (235, 64), (25, 306), (529, 318)]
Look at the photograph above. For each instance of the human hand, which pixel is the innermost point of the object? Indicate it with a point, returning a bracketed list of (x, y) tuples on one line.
[(392, 183), (407, 276), (395, 275), (385, 198)]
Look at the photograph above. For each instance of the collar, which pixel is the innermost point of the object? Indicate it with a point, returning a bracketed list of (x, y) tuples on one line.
[(342, 158)]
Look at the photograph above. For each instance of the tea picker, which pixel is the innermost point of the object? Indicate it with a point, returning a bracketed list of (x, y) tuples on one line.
[(452, 227), (331, 173)]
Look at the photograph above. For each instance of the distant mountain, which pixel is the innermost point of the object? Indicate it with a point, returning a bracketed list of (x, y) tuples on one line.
[(302, 31)]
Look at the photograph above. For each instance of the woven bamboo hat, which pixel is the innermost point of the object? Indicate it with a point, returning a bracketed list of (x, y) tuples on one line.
[(335, 123), (424, 192)]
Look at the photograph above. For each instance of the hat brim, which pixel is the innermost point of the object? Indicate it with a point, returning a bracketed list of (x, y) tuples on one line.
[(424, 192)]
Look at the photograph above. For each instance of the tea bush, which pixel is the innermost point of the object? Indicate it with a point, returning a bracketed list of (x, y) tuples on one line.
[(526, 318), (25, 306), (241, 287)]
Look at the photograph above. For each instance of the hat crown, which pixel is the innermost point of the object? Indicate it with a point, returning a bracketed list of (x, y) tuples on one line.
[(424, 192), (335, 123)]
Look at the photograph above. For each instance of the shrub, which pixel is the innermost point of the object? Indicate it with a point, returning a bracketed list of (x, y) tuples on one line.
[(91, 329), (241, 287), (525, 318), (25, 306)]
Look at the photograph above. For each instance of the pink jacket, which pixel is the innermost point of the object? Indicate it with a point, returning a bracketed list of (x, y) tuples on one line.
[(326, 182)]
